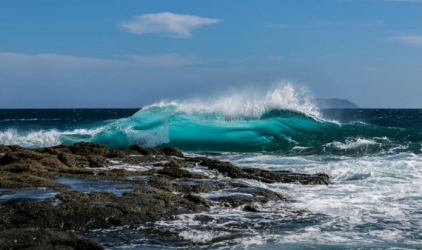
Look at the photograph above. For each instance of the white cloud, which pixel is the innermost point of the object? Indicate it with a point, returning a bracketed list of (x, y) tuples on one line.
[(167, 23), (411, 40)]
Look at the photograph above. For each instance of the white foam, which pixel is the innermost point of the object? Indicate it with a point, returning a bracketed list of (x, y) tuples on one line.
[(352, 143), (42, 138), (252, 104)]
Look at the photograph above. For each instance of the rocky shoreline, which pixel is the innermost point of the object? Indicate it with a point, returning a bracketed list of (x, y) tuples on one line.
[(166, 185)]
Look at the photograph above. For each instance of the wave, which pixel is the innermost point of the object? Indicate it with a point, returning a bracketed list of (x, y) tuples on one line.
[(282, 120)]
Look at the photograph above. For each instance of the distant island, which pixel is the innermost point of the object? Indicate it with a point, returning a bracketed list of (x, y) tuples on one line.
[(334, 103)]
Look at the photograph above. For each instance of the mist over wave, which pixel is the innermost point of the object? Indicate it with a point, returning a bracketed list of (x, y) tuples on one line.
[(282, 120)]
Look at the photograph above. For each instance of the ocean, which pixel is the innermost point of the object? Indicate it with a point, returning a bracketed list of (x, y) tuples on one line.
[(374, 157)]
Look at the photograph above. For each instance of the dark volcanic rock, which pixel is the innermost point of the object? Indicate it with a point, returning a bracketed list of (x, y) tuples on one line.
[(286, 177), (161, 183), (248, 196), (176, 164), (79, 210), (15, 180), (89, 148), (146, 151), (171, 151), (49, 162), (41, 239), (225, 168), (166, 189), (180, 173), (4, 149), (251, 208)]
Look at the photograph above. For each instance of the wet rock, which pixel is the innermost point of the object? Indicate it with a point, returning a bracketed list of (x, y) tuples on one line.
[(15, 148), (146, 151), (63, 148), (77, 171), (206, 188), (96, 161), (247, 196), (14, 180), (263, 195), (79, 210), (180, 173), (4, 149), (23, 166), (73, 196), (49, 162), (72, 160), (176, 164), (253, 208), (41, 239), (78, 161), (225, 168), (161, 183), (79, 196), (286, 177), (196, 199), (171, 151), (89, 148), (50, 151), (235, 200)]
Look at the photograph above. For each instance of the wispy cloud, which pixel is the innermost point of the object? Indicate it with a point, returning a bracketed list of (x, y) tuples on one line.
[(167, 60), (411, 40), (167, 23), (320, 24), (54, 61)]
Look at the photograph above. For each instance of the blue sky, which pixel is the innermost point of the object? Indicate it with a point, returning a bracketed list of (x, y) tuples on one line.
[(65, 54)]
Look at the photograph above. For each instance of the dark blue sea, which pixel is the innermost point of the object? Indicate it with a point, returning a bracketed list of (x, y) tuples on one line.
[(373, 156)]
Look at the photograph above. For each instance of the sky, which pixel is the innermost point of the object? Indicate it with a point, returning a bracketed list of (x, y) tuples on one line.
[(128, 54)]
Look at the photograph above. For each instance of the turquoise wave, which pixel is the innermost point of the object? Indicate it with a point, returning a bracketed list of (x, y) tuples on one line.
[(282, 131)]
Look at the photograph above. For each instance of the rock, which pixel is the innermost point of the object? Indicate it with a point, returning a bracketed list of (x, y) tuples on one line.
[(251, 208), (79, 211), (41, 239), (286, 177), (73, 196), (176, 164), (14, 180), (50, 151), (247, 196), (63, 148), (225, 168), (4, 149), (197, 199), (146, 151), (96, 161), (171, 151), (161, 183), (180, 173), (49, 162), (89, 148), (71, 160), (15, 148), (235, 200), (261, 194)]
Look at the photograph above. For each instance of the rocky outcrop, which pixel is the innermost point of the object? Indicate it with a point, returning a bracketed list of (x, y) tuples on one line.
[(42, 239), (170, 185)]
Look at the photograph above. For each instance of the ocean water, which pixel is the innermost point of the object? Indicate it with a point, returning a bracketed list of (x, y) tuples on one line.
[(374, 157)]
